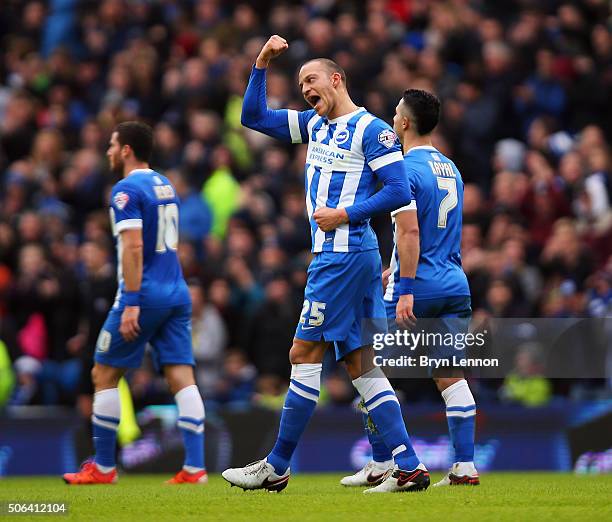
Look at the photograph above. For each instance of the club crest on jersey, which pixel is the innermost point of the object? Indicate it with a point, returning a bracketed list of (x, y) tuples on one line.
[(121, 200), (387, 138), (341, 137)]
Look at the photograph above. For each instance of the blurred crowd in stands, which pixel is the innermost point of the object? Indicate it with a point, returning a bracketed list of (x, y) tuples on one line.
[(527, 117)]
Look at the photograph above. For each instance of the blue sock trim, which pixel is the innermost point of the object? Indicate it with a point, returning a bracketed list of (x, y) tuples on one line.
[(461, 408), (114, 420), (305, 388), (378, 396), (192, 420)]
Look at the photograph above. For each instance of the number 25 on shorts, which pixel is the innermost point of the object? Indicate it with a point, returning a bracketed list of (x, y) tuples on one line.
[(315, 317)]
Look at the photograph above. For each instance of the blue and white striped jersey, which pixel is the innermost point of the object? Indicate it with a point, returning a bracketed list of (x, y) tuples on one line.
[(437, 197), (343, 155), (346, 158)]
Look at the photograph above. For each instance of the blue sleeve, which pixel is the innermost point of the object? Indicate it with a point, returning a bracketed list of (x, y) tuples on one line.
[(383, 154), (412, 177), (126, 207), (283, 124)]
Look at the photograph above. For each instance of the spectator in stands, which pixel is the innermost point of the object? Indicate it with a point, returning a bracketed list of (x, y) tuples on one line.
[(526, 117)]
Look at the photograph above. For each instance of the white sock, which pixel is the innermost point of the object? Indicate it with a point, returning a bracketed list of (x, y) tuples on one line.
[(106, 410), (460, 395), (191, 469), (308, 374), (107, 403), (371, 384), (104, 469), (190, 403), (191, 416)]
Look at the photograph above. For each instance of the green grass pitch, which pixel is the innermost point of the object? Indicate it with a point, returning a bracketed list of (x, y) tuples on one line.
[(501, 496)]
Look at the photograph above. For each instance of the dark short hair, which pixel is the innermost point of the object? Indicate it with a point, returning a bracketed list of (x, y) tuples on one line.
[(139, 136), (331, 66), (424, 108)]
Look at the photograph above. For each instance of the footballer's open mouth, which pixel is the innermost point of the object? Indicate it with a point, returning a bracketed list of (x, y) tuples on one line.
[(313, 100)]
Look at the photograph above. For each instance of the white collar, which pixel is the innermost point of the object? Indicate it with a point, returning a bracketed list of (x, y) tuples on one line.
[(346, 117), (421, 147), (147, 171)]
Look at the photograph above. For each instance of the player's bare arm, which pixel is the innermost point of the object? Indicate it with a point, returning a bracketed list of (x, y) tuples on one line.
[(385, 278), (275, 46), (407, 230), (131, 241)]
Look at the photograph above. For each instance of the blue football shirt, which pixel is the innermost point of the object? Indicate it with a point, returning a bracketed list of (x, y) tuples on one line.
[(437, 197), (147, 200)]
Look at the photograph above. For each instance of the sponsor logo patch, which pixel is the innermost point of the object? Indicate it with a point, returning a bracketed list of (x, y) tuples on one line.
[(387, 138), (121, 200)]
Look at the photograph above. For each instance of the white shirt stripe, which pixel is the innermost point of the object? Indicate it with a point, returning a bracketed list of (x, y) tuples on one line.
[(351, 183), (347, 197), (387, 159), (360, 128), (322, 195), (294, 126), (309, 174), (311, 123)]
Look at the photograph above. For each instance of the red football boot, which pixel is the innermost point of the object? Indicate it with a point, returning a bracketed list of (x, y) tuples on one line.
[(90, 474), (184, 477)]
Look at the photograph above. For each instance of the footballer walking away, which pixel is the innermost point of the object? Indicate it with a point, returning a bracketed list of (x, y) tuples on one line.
[(349, 151), (153, 305)]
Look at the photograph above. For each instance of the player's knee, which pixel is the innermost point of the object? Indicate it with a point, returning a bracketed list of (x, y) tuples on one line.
[(179, 377), (359, 362), (96, 377), (444, 382), (104, 377), (306, 352)]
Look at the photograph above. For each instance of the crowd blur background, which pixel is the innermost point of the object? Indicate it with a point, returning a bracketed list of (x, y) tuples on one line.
[(525, 87)]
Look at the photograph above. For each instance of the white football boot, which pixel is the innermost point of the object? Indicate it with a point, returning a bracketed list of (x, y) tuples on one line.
[(400, 480), (257, 475), (460, 474), (372, 474)]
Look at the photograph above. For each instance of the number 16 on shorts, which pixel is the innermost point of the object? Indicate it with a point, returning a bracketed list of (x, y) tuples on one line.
[(312, 314)]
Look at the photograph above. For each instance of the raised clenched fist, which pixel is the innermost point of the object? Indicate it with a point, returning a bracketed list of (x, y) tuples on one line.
[(273, 47)]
